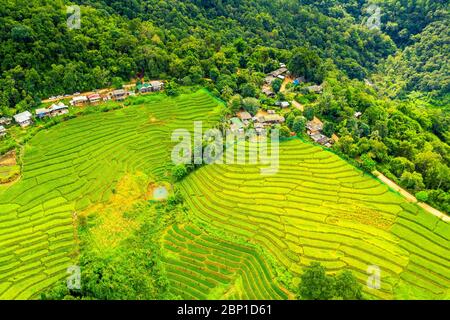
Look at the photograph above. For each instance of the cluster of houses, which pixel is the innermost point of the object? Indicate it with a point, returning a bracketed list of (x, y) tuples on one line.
[(260, 121), (24, 119), (117, 95), (314, 130), (280, 73)]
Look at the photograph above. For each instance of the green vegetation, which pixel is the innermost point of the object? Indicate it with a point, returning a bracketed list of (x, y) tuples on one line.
[(81, 191), (181, 40), (76, 165), (319, 208), (317, 285)]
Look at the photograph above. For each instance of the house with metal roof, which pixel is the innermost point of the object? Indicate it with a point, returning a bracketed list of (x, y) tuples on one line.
[(42, 113), (244, 115), (2, 131), (58, 109), (119, 95), (23, 119), (144, 87), (79, 100), (5, 121), (94, 98)]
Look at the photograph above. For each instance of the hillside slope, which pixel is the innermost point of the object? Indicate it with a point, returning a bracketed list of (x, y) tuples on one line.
[(77, 165), (319, 208)]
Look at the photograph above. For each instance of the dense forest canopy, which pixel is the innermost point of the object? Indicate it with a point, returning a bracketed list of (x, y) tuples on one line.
[(41, 57)]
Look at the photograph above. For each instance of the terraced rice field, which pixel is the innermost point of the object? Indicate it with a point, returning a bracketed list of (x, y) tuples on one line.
[(316, 208), (73, 165), (319, 208), (202, 266)]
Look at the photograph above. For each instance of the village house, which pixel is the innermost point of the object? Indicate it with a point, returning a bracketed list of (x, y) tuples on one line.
[(5, 121), (269, 79), (279, 72), (42, 112), (144, 88), (321, 139), (273, 118), (58, 109), (282, 104), (299, 80), (236, 125), (357, 115), (23, 119), (244, 116), (78, 101), (269, 93), (314, 126), (157, 85), (314, 130), (94, 98), (2, 131), (119, 95), (259, 128)]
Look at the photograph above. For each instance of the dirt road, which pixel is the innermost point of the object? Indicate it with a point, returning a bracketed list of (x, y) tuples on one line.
[(410, 197)]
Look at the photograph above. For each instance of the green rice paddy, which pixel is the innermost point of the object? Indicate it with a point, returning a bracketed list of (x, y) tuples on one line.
[(319, 208), (77, 164), (316, 208)]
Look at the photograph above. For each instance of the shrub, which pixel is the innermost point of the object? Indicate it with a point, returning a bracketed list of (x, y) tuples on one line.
[(422, 196), (179, 172)]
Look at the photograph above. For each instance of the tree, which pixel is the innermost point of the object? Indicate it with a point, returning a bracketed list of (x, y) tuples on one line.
[(248, 90), (235, 103), (422, 196), (117, 83), (285, 132), (307, 63), (367, 163), (251, 105), (399, 165), (315, 284), (328, 129), (299, 124), (290, 119), (413, 181), (276, 85), (309, 113), (196, 73), (346, 145), (347, 286), (179, 172), (172, 89)]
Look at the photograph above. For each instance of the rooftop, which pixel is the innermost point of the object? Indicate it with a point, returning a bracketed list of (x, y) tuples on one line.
[(94, 96), (237, 122), (22, 117), (42, 111), (79, 99), (58, 106), (244, 115), (274, 118), (119, 92)]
